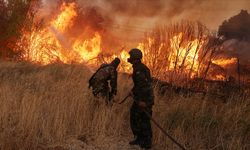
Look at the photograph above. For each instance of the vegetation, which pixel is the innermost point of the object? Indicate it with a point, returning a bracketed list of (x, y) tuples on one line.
[(50, 107), (16, 16), (181, 51), (237, 27)]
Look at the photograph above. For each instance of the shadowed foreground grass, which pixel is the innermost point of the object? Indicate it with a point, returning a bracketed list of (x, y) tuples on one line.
[(42, 106)]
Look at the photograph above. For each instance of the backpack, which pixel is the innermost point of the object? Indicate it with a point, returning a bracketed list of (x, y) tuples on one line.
[(91, 80)]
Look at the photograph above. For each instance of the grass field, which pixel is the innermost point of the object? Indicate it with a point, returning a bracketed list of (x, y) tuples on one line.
[(51, 108)]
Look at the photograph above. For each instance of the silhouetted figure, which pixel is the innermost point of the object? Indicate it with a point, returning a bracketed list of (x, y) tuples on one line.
[(143, 101), (104, 81)]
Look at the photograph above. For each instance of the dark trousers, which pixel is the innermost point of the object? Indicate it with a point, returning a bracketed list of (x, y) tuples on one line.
[(140, 122)]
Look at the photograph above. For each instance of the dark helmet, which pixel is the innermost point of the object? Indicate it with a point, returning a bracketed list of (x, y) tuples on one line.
[(115, 62), (135, 53)]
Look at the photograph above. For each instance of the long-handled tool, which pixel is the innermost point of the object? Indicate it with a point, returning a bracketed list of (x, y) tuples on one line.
[(162, 130), (121, 102), (156, 123)]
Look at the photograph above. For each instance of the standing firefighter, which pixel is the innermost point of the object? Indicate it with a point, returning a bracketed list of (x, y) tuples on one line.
[(104, 80), (143, 101)]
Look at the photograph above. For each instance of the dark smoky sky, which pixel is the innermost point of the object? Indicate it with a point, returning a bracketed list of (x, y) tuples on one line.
[(129, 19), (150, 12)]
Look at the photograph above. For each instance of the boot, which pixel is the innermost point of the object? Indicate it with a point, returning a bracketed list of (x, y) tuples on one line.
[(146, 143), (136, 141)]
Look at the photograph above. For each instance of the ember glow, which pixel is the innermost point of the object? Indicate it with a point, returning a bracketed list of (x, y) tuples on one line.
[(219, 77)]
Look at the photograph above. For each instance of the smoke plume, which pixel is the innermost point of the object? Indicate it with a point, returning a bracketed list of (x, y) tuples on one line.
[(127, 21), (236, 34)]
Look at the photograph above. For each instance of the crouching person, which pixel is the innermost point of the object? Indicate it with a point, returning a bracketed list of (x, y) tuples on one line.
[(104, 81)]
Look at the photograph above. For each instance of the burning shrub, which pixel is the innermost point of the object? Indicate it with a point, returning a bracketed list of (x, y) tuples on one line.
[(56, 40), (182, 50), (74, 34), (14, 17)]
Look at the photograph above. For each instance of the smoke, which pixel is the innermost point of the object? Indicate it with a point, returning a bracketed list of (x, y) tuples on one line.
[(165, 11), (61, 38), (236, 27), (138, 8), (238, 49), (236, 34), (129, 20)]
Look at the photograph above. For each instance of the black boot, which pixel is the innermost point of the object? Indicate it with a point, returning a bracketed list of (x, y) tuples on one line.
[(136, 141), (146, 143)]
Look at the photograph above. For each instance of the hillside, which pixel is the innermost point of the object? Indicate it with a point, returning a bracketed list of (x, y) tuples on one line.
[(51, 108)]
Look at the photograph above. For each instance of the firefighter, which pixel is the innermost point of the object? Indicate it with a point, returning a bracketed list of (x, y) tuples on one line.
[(143, 101), (104, 81)]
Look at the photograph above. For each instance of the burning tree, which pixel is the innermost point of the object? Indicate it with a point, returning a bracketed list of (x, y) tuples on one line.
[(182, 50), (14, 18), (56, 39)]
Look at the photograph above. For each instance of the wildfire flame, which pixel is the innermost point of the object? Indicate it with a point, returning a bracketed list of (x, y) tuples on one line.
[(188, 52), (88, 49), (52, 43), (224, 62), (65, 19), (219, 77)]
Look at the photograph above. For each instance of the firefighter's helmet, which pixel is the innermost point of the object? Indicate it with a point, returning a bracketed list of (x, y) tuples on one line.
[(135, 53)]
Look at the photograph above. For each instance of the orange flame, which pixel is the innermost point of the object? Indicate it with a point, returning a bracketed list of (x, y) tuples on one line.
[(51, 43), (88, 49), (219, 77), (65, 19), (189, 52), (182, 53), (225, 62)]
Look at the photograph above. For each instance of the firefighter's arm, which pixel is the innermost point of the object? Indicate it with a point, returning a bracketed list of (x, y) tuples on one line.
[(147, 93)]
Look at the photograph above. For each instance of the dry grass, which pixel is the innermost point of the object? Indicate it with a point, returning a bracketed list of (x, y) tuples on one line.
[(41, 106)]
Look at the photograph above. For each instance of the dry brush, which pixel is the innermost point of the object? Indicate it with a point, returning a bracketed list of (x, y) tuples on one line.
[(44, 105)]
